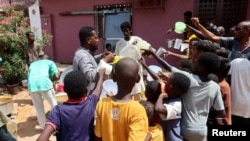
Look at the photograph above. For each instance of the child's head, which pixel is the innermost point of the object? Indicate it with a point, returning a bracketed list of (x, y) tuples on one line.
[(153, 90), (126, 73), (177, 85), (108, 47), (213, 77), (223, 69), (185, 65), (206, 63), (150, 110), (75, 84), (200, 47)]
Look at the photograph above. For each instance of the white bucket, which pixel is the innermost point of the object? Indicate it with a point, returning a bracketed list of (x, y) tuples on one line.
[(24, 82), (160, 51), (108, 86), (155, 69), (170, 43), (61, 97), (103, 64)]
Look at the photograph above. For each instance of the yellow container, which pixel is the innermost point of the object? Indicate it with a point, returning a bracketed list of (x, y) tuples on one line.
[(6, 104)]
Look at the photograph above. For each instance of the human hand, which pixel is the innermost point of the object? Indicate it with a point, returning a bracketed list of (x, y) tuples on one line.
[(168, 31), (109, 56), (163, 96), (142, 61), (110, 94), (147, 52), (101, 72), (195, 21), (167, 53)]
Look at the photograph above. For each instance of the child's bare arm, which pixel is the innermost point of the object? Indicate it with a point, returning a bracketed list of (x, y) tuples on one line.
[(159, 106), (97, 90), (145, 66), (45, 135)]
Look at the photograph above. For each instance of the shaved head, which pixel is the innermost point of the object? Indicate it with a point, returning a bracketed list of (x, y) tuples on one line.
[(126, 68)]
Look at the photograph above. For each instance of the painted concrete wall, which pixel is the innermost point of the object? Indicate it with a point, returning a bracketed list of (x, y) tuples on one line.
[(149, 24)]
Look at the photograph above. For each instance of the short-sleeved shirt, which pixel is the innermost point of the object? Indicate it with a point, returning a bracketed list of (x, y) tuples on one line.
[(87, 64), (196, 104), (234, 47), (74, 121), (156, 133), (121, 120), (32, 53), (172, 121), (39, 75), (240, 87)]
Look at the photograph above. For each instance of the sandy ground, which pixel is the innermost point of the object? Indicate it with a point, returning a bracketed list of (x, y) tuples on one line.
[(24, 116)]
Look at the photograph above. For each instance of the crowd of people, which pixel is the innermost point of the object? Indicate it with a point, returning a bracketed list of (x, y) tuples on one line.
[(209, 86)]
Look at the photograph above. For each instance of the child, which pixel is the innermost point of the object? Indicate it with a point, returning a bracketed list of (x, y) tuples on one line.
[(155, 130), (74, 120), (119, 118), (170, 110), (201, 96)]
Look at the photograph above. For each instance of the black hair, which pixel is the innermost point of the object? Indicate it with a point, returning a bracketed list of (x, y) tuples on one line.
[(28, 33), (224, 68), (45, 56), (153, 90), (84, 33), (150, 110), (186, 65), (180, 82), (210, 61), (205, 46), (125, 25), (213, 77), (188, 14), (75, 84)]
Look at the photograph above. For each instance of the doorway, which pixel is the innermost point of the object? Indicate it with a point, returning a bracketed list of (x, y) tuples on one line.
[(108, 20)]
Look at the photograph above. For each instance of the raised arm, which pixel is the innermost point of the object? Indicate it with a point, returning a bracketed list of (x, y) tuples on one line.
[(162, 62), (98, 88), (145, 66), (168, 53), (207, 34), (159, 106)]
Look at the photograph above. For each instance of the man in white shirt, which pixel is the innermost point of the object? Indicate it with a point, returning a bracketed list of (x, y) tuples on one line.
[(127, 41)]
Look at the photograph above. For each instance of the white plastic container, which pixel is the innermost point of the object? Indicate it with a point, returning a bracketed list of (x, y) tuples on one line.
[(6, 104), (155, 69), (103, 64), (160, 51), (108, 86)]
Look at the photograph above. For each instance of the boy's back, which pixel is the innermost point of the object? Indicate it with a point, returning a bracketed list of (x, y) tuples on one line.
[(71, 117), (119, 118), (124, 120)]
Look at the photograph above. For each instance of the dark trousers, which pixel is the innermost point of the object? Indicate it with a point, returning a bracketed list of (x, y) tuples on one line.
[(5, 134), (241, 121)]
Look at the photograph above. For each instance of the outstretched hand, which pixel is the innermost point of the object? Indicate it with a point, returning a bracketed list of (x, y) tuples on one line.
[(142, 61), (108, 56), (147, 52), (195, 21), (101, 71)]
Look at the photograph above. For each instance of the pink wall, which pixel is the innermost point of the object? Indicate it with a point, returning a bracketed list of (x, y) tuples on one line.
[(248, 11), (150, 24)]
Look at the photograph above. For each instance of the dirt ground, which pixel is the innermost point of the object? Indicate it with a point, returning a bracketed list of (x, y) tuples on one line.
[(24, 116)]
